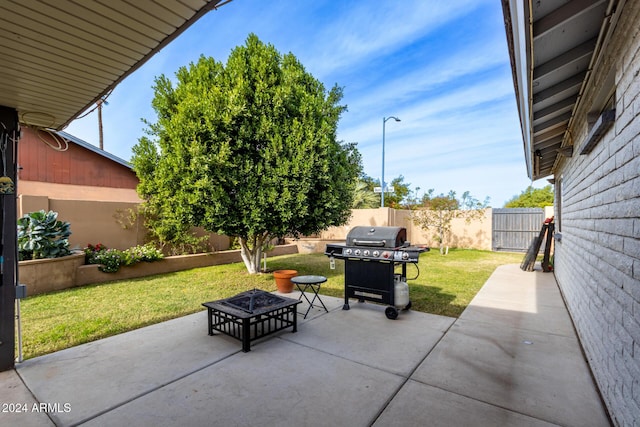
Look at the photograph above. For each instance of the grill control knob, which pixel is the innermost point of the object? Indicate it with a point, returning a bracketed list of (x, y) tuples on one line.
[(348, 251), (376, 253), (386, 254), (357, 252), (405, 255), (366, 252)]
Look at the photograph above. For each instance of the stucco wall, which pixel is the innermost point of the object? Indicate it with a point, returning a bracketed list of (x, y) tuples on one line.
[(99, 220), (597, 260), (473, 235)]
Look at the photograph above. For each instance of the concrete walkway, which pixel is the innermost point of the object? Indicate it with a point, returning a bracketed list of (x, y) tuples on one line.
[(511, 359)]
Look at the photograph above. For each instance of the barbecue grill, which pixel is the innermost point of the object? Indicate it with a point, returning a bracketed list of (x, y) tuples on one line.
[(370, 256)]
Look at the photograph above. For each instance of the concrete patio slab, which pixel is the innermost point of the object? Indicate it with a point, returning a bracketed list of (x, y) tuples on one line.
[(364, 334), (422, 405), (509, 284), (102, 374), (539, 370), (18, 407), (283, 384)]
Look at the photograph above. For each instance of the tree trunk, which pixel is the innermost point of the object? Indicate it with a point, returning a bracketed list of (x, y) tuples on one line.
[(251, 252)]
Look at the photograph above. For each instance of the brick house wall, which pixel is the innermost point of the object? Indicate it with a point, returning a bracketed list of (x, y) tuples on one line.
[(597, 251)]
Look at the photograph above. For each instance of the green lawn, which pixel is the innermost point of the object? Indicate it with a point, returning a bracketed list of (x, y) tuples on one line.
[(67, 318)]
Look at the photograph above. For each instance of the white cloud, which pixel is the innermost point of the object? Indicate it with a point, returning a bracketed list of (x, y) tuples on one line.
[(378, 28), (442, 67)]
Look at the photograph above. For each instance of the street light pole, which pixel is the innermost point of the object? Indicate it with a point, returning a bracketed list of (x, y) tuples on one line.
[(384, 121)]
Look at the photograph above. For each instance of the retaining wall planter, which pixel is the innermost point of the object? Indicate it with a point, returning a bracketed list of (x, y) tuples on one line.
[(55, 274), (50, 274)]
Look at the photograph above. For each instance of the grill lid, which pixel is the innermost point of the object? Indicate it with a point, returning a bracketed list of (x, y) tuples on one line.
[(381, 237)]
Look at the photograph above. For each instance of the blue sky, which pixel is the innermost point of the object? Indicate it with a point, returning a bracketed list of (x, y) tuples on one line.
[(441, 67)]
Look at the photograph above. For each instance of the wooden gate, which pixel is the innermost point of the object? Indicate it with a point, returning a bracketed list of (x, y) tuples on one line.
[(515, 228)]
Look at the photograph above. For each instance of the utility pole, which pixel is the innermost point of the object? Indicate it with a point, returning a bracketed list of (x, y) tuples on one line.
[(100, 102)]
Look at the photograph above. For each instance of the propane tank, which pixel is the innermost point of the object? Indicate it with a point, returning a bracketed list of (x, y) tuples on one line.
[(401, 291)]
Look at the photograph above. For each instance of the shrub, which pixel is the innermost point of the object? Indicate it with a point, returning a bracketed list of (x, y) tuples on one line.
[(144, 253), (41, 235), (112, 259)]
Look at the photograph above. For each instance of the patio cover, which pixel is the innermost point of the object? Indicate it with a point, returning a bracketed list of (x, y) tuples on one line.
[(554, 45), (61, 56)]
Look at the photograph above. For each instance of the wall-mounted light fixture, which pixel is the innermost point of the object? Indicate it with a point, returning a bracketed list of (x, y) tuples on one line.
[(536, 161)]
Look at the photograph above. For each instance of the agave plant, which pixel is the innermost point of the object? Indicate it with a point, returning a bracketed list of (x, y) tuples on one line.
[(41, 235)]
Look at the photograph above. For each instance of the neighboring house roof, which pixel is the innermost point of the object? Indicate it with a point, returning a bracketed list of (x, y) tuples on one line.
[(59, 58), (90, 147), (554, 46), (60, 158)]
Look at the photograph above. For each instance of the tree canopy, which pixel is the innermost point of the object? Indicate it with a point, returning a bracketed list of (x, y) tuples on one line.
[(395, 199), (532, 198), (247, 149), (364, 197)]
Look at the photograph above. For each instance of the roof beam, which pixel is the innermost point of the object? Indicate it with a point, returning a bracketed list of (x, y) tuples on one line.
[(568, 86), (573, 56), (567, 12), (555, 109), (561, 120)]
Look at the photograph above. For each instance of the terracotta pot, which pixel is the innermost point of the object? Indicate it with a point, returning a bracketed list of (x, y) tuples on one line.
[(283, 280)]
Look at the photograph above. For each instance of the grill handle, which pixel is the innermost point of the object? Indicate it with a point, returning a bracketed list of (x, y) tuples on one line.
[(379, 243)]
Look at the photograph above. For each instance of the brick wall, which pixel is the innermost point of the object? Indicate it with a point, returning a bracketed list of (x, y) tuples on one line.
[(597, 260)]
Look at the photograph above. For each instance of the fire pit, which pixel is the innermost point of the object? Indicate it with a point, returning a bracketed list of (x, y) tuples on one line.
[(251, 315)]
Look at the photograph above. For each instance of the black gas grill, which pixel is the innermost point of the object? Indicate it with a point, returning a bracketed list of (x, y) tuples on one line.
[(371, 255)]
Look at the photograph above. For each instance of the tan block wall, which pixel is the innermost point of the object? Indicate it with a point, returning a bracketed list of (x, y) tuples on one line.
[(98, 220), (91, 221), (474, 235)]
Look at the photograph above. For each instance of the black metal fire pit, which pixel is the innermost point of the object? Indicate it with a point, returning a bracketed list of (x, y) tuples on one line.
[(251, 315)]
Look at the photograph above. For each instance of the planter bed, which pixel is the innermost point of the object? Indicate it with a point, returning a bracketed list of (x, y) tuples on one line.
[(48, 275)]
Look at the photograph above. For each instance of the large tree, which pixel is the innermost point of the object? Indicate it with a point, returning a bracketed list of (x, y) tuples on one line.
[(247, 149)]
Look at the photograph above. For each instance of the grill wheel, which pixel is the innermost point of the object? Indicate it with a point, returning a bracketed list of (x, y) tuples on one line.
[(391, 313)]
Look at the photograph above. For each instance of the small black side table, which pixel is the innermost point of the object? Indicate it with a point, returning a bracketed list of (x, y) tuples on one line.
[(304, 283)]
